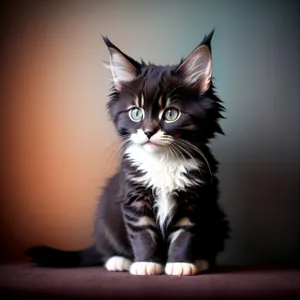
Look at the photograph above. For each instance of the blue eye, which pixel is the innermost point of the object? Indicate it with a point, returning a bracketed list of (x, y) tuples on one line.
[(171, 114), (136, 114)]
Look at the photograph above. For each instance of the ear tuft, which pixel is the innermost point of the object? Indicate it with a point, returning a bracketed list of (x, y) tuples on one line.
[(123, 67), (207, 39), (107, 42)]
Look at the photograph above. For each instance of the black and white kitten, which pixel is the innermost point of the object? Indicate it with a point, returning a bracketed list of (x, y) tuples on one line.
[(159, 212)]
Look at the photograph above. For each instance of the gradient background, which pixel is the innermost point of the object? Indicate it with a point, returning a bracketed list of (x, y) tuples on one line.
[(57, 142)]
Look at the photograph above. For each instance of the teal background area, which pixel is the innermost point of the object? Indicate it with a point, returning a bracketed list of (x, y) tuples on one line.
[(256, 65)]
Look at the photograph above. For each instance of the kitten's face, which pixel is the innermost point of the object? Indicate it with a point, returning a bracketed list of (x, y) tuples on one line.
[(164, 109), (155, 116)]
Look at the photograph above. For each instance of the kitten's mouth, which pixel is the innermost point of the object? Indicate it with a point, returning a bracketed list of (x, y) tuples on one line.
[(149, 143), (153, 147)]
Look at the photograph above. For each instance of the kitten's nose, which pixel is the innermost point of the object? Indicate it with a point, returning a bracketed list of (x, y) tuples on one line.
[(149, 133)]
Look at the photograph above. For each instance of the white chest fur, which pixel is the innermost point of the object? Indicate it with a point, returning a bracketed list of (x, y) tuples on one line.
[(166, 174)]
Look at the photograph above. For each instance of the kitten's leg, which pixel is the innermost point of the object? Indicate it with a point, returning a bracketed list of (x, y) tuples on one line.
[(181, 248), (144, 238)]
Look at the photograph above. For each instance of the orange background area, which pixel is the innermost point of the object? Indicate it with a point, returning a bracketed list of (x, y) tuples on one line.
[(57, 142)]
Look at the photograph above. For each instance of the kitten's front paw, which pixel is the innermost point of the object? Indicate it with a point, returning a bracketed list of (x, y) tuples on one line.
[(186, 269), (118, 263), (180, 269), (146, 268)]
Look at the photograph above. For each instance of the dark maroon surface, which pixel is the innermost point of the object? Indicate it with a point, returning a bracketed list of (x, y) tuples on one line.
[(23, 279)]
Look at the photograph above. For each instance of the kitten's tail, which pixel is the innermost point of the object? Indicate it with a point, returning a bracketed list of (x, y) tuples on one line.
[(50, 257)]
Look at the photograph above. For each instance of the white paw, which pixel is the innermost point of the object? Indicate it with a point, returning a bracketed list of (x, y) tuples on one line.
[(118, 263), (186, 269), (146, 268)]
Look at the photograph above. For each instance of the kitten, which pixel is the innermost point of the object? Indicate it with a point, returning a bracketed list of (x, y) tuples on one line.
[(159, 212)]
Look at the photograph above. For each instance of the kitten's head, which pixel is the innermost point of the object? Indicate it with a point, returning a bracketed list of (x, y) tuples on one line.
[(163, 108)]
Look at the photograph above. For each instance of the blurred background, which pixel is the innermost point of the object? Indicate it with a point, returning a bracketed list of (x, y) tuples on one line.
[(57, 143)]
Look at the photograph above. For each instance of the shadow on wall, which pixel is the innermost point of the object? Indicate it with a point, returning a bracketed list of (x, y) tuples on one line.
[(264, 212)]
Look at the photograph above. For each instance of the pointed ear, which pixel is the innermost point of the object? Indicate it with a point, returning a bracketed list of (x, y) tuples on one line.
[(123, 67), (196, 69)]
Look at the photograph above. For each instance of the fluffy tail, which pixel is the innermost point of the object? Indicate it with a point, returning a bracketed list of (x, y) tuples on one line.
[(50, 257)]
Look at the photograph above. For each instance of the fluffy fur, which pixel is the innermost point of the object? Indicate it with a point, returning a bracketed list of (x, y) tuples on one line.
[(159, 212)]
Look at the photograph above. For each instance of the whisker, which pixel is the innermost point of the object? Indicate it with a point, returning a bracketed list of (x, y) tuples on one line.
[(176, 147), (175, 151), (123, 152), (193, 147), (186, 151), (119, 148)]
